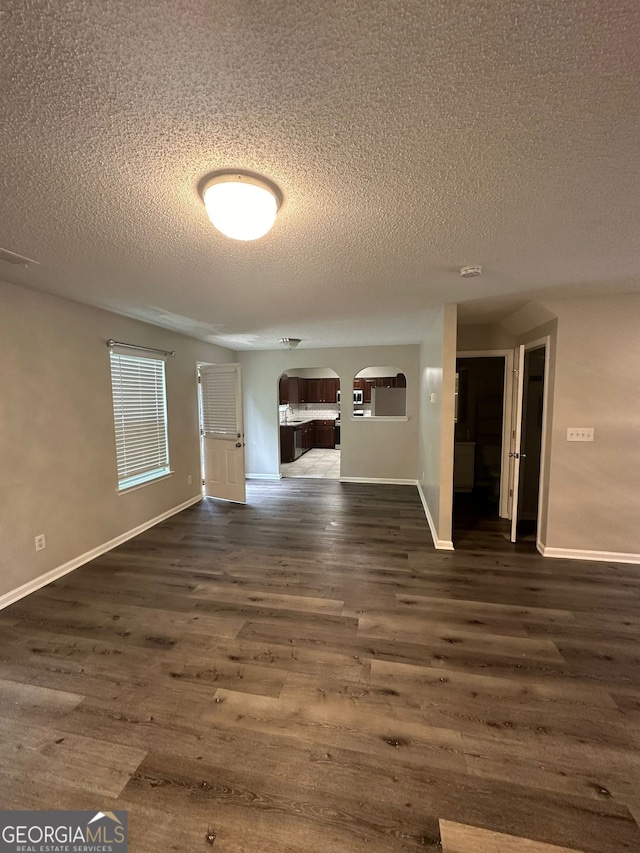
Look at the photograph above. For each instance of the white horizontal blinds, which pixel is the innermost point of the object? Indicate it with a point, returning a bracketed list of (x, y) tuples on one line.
[(140, 418), (219, 394)]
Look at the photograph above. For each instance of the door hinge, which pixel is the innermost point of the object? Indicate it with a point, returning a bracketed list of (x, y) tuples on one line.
[(510, 492), (203, 482)]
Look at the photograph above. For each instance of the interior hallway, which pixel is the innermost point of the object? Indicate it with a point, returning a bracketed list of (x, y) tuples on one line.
[(305, 673)]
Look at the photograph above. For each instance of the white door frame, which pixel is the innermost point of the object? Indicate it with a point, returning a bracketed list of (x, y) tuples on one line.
[(516, 439), (537, 344), (507, 413)]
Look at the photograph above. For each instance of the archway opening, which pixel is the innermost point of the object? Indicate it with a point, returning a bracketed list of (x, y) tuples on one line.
[(380, 392), (309, 416)]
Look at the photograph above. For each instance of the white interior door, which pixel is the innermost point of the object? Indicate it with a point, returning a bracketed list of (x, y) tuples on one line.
[(516, 439), (222, 432)]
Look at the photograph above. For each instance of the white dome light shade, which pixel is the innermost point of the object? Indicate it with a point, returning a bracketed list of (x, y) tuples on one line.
[(242, 207)]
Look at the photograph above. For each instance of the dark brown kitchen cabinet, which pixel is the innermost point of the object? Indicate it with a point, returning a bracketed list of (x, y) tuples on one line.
[(368, 384), (318, 390), (283, 390), (325, 434), (378, 382), (287, 444), (329, 390), (296, 439), (308, 436), (309, 391), (289, 390)]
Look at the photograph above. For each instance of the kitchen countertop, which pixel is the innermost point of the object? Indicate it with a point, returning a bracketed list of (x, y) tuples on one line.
[(304, 421)]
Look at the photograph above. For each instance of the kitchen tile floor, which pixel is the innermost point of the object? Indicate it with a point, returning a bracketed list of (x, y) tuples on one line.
[(317, 463)]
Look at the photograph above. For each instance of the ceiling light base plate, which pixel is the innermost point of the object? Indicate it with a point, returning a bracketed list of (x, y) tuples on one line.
[(470, 272), (289, 343)]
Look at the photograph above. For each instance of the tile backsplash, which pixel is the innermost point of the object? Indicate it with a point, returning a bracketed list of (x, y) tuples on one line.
[(311, 410), (320, 411)]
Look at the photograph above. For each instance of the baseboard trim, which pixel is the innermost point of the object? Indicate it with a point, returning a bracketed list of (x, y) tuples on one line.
[(438, 544), (263, 476), (596, 556), (37, 583), (383, 480)]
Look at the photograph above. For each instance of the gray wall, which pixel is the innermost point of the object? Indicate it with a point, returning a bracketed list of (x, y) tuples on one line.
[(371, 448), (57, 445), (437, 378)]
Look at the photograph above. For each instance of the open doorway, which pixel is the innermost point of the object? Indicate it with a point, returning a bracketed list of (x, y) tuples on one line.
[(530, 453), (478, 479), (309, 418), (500, 416)]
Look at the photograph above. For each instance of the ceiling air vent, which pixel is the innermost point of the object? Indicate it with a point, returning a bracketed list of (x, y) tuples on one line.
[(13, 258)]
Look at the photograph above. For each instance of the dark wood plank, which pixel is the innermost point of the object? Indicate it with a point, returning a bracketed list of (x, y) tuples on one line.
[(305, 673)]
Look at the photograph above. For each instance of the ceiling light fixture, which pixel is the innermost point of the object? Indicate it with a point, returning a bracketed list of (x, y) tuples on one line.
[(289, 343), (241, 205), (470, 272)]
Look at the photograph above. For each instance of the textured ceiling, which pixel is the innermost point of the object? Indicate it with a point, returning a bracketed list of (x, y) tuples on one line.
[(408, 139)]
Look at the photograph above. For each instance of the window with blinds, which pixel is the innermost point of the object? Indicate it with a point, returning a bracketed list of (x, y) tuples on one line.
[(140, 418), (219, 393)]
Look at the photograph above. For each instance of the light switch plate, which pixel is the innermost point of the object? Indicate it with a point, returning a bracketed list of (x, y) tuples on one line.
[(579, 433)]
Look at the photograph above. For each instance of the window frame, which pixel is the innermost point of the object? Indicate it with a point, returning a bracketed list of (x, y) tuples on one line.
[(139, 390)]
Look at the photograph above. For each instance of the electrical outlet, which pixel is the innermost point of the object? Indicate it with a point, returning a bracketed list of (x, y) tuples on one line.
[(189, 480), (580, 433), (40, 542)]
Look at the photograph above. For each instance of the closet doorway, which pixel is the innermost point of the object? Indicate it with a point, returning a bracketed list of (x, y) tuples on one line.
[(500, 422), (480, 478), (528, 441)]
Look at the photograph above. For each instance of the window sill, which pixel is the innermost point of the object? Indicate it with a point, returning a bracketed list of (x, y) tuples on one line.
[(148, 482)]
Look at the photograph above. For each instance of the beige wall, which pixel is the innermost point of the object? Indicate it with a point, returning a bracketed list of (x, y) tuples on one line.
[(57, 453), (594, 488), (590, 498), (375, 371), (371, 448), (57, 446), (484, 337), (437, 378), (312, 373)]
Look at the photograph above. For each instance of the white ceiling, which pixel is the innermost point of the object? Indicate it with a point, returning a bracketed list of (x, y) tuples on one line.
[(408, 139)]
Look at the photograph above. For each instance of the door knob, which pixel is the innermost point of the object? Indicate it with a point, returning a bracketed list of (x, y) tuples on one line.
[(238, 444)]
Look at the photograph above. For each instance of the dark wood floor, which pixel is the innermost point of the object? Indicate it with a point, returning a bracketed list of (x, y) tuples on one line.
[(305, 673)]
